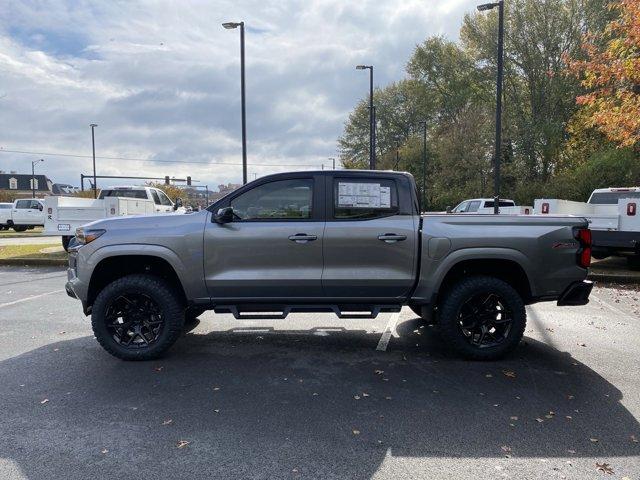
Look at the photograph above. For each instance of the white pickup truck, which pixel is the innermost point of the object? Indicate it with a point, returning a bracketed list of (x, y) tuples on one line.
[(613, 220), (22, 214), (65, 214), (485, 205)]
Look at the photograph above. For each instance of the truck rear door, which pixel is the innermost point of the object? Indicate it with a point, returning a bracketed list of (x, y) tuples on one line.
[(370, 238)]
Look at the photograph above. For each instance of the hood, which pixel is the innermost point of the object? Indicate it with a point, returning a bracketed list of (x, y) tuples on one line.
[(157, 225)]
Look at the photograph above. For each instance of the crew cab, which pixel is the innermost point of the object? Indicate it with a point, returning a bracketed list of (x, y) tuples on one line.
[(65, 214), (349, 242), (486, 206), (613, 218), (22, 214)]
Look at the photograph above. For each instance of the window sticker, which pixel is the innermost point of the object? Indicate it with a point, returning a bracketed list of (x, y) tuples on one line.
[(363, 195)]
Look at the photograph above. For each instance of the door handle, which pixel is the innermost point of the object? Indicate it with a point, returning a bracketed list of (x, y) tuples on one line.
[(391, 237), (303, 238)]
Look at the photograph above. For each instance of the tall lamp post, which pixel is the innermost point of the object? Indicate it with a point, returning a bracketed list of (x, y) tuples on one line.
[(372, 129), (93, 146), (424, 164), (497, 147), (231, 26), (33, 177)]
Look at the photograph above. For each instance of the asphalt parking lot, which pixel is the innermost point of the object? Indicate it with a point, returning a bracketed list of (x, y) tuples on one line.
[(316, 397)]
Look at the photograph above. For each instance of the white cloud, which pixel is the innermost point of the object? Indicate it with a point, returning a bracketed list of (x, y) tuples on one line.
[(162, 79)]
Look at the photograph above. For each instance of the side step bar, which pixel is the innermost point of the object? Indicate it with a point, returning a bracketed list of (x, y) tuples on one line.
[(279, 312)]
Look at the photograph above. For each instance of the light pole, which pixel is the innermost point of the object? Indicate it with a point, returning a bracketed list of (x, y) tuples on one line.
[(424, 164), (333, 160), (231, 26), (372, 129), (33, 177), (93, 146), (497, 148), (397, 155)]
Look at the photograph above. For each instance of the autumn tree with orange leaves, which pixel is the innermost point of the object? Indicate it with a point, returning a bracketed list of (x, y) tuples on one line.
[(610, 74)]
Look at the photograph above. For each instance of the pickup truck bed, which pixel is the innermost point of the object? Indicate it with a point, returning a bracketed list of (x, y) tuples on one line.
[(348, 242)]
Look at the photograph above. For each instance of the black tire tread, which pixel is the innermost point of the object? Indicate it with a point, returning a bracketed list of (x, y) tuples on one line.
[(173, 310), (455, 296)]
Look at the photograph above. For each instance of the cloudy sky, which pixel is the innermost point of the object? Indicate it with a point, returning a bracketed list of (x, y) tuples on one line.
[(161, 79)]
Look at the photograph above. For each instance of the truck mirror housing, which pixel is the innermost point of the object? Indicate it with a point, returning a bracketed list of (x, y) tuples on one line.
[(177, 204), (448, 209), (224, 215)]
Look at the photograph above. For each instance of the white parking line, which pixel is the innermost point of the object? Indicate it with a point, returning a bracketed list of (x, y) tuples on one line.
[(33, 297), (388, 331), (612, 308)]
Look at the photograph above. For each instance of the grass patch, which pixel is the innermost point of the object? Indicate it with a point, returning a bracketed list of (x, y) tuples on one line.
[(11, 233), (31, 251)]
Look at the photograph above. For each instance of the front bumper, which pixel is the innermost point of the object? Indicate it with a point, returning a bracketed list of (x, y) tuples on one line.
[(576, 294)]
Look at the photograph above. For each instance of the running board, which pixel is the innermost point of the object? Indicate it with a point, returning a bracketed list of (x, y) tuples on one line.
[(279, 312)]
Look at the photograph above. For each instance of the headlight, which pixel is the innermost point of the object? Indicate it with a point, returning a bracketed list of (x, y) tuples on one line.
[(87, 235)]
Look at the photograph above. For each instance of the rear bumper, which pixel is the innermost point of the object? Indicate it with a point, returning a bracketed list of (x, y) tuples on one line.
[(576, 294)]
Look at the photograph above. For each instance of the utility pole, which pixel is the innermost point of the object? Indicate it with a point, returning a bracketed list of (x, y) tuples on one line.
[(372, 127), (93, 145), (498, 142), (424, 165), (33, 177), (230, 26)]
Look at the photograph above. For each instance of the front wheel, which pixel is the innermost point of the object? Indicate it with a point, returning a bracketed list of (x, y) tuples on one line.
[(137, 317), (482, 318), (634, 262), (66, 240), (19, 228)]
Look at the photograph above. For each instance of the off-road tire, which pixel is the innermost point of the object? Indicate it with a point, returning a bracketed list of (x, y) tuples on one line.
[(466, 289), (19, 228), (161, 293), (66, 240)]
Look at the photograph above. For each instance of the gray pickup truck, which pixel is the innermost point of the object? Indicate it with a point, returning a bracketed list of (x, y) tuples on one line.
[(348, 242)]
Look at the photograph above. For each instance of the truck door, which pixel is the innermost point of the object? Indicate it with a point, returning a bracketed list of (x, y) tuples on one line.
[(21, 212), (370, 238), (273, 247)]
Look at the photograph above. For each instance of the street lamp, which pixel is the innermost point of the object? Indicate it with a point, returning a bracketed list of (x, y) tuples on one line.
[(424, 164), (93, 146), (231, 26), (497, 147), (372, 130), (33, 177)]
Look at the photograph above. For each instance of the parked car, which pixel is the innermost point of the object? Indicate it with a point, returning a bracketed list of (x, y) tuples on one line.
[(486, 206), (65, 214), (613, 218), (23, 214), (5, 215), (343, 241)]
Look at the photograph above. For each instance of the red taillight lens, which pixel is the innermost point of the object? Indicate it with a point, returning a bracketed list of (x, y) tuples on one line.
[(49, 210), (583, 235), (631, 209), (545, 208)]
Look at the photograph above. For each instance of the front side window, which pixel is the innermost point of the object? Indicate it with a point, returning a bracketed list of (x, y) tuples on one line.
[(361, 198), (462, 207), (156, 198), (279, 200), (164, 200), (35, 204)]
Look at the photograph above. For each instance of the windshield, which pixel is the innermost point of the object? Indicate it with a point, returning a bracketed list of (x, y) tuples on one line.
[(611, 198)]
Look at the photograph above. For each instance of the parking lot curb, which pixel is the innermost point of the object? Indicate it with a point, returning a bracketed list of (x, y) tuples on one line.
[(34, 262), (614, 278)]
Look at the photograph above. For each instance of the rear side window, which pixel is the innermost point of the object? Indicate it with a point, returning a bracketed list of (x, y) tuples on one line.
[(23, 204), (611, 198), (360, 198), (502, 203), (474, 206), (4, 206), (141, 194)]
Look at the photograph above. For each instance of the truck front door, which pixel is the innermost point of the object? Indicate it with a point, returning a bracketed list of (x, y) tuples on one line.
[(273, 247), (370, 238)]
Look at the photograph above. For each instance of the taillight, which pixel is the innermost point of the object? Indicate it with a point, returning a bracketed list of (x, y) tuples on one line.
[(583, 235), (631, 209), (545, 208), (49, 210)]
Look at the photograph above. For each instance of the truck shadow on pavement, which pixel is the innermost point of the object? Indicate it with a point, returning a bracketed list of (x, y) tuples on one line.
[(298, 404)]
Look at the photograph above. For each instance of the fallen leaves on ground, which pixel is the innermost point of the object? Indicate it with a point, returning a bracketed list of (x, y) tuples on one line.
[(104, 451), (378, 372), (356, 432), (182, 443), (633, 438), (168, 421), (593, 440), (158, 369), (509, 373), (46, 400), (604, 468)]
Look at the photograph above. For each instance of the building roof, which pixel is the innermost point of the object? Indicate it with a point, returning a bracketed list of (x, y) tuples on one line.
[(24, 181)]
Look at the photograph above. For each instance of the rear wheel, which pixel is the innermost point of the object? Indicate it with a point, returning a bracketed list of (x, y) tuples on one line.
[(482, 318), (137, 317)]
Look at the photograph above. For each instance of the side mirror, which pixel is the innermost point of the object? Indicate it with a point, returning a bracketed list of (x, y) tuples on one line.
[(449, 209), (224, 215), (177, 204), (40, 207)]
